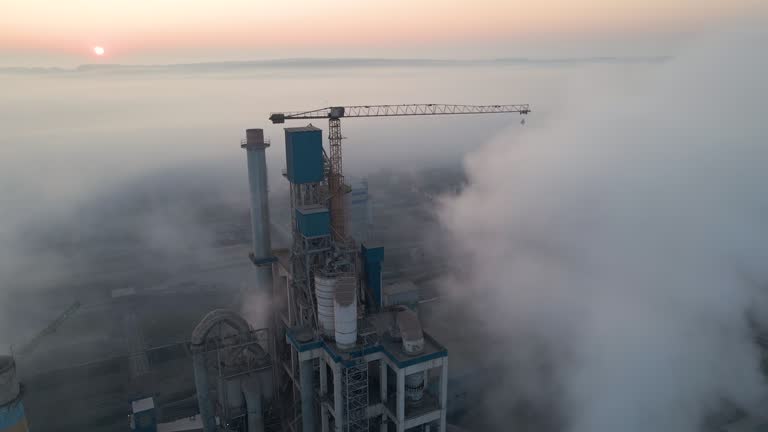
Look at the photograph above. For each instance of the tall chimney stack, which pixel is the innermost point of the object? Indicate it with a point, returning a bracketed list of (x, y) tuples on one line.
[(261, 253)]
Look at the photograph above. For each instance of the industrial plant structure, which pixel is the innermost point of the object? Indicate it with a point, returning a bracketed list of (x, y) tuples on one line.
[(343, 357), (338, 351), (357, 365)]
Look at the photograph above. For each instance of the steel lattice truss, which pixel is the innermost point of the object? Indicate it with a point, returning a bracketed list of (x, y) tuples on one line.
[(336, 180), (356, 396), (397, 110)]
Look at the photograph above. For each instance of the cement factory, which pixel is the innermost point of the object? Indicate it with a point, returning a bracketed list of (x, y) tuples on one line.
[(338, 348)]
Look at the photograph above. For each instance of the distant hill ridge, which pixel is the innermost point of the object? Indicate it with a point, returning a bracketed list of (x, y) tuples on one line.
[(321, 62)]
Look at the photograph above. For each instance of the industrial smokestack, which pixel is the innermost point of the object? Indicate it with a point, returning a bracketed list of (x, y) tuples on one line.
[(261, 254)]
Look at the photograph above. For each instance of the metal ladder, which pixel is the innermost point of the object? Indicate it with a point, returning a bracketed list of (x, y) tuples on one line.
[(356, 392)]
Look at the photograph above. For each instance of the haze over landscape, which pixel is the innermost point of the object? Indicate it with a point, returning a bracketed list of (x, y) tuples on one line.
[(52, 33), (606, 259)]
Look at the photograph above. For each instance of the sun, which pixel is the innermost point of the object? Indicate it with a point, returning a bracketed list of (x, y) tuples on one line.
[(99, 51)]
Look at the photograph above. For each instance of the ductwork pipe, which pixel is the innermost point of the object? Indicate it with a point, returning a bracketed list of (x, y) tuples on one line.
[(307, 399), (203, 399), (199, 335), (252, 391)]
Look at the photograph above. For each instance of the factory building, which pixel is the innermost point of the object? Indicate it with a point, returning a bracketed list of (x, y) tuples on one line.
[(346, 355)]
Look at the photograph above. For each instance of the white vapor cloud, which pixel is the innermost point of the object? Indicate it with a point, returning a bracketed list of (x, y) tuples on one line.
[(618, 252)]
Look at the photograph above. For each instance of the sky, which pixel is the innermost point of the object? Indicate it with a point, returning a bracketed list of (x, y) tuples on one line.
[(58, 33)]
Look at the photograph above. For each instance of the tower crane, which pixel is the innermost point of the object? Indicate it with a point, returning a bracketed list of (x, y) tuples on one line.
[(334, 115), (49, 329)]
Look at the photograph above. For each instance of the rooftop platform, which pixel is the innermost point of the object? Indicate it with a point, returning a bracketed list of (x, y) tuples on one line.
[(377, 342), (283, 258), (429, 405)]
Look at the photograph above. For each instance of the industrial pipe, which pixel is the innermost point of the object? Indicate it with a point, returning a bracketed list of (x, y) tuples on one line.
[(252, 391), (199, 335), (307, 397), (203, 399)]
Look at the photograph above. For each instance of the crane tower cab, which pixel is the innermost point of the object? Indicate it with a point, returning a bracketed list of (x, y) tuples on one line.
[(336, 112)]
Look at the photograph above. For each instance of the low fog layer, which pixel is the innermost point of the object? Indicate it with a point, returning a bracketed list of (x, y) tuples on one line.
[(615, 255), (139, 233), (99, 166)]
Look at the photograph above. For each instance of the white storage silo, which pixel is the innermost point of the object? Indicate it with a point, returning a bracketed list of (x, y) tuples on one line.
[(345, 312), (325, 287)]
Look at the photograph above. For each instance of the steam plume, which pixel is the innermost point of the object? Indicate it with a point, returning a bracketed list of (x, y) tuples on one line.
[(618, 253)]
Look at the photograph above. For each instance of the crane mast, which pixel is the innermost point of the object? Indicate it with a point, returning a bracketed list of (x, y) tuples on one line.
[(336, 181), (334, 115)]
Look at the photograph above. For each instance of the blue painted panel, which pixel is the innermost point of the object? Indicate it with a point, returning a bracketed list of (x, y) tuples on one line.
[(372, 258), (373, 254), (12, 415), (313, 221), (373, 281), (304, 155)]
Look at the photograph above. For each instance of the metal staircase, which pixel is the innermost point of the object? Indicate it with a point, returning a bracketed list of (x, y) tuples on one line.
[(356, 396)]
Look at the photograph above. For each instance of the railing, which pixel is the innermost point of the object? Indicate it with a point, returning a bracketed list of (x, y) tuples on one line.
[(267, 142)]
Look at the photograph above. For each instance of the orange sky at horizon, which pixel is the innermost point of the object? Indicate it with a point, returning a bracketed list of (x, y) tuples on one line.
[(130, 28)]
